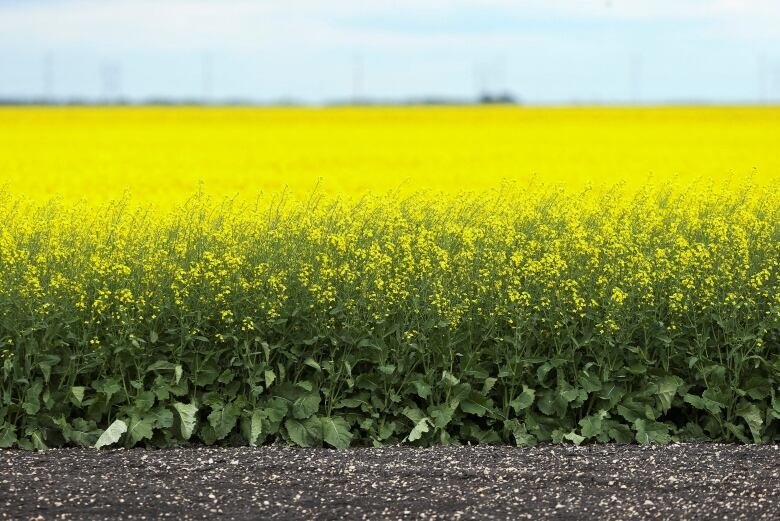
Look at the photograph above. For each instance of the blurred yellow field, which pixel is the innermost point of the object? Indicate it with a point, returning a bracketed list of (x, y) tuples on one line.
[(166, 154)]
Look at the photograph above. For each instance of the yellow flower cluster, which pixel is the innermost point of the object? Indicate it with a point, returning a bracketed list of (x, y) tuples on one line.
[(166, 154), (561, 263)]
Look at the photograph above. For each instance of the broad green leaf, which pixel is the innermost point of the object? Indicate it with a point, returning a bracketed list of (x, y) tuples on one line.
[(413, 413), (7, 435), (336, 432), (108, 386), (449, 378), (441, 414), (574, 437), (255, 427), (139, 428), (620, 432), (524, 400), (419, 429), (738, 431), (112, 434), (423, 390), (32, 403), (752, 415), (488, 384), (590, 383), (187, 412), (81, 433), (306, 405), (305, 433), (477, 404), (386, 369), (144, 401), (612, 393), (311, 362), (386, 429), (78, 394), (573, 394), (703, 403), (667, 388), (520, 434), (223, 419), (161, 365), (161, 418), (269, 377), (651, 432), (591, 426)]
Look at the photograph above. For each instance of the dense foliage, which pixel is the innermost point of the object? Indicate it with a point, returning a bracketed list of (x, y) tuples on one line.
[(506, 317)]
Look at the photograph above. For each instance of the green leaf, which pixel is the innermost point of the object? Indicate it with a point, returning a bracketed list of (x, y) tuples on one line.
[(161, 365), (449, 378), (153, 336), (419, 429), (306, 405), (31, 403), (144, 401), (488, 384), (255, 427), (107, 386), (620, 432), (305, 433), (7, 435), (612, 393), (441, 414), (413, 413), (752, 415), (78, 394), (222, 419), (82, 433), (521, 435), (590, 383), (651, 432), (386, 429), (592, 426), (187, 419), (524, 400), (269, 377), (573, 394), (477, 404), (161, 418), (705, 404), (423, 390), (311, 362), (573, 436), (139, 428), (112, 434), (336, 432), (667, 388)]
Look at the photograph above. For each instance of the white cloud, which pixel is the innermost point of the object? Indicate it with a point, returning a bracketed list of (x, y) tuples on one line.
[(306, 24)]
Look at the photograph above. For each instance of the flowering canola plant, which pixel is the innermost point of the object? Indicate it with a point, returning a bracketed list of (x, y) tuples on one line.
[(522, 310)]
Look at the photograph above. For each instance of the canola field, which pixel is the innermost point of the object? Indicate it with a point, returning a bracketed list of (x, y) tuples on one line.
[(353, 276)]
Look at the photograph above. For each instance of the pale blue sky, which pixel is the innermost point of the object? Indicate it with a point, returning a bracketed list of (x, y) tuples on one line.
[(542, 51)]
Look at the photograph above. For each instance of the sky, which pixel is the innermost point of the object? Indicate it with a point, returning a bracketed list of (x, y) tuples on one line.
[(317, 51)]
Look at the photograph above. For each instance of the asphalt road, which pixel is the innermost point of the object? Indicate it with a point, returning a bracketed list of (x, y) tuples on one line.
[(688, 481)]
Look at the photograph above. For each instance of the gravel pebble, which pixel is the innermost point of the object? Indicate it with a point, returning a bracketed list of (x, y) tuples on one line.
[(684, 481)]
